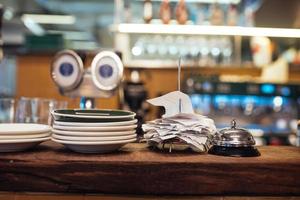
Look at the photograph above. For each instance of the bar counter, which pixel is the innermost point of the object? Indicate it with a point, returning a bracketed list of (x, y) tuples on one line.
[(136, 170)]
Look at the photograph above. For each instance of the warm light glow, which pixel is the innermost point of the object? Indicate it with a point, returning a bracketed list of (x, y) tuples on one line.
[(277, 101), (49, 19), (136, 51), (207, 30)]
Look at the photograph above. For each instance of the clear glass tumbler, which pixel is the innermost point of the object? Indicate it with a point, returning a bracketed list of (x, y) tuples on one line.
[(7, 110), (37, 110)]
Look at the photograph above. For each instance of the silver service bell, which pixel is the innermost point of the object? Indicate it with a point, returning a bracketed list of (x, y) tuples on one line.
[(234, 141)]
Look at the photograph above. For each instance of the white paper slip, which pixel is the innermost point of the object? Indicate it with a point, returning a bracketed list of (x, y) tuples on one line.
[(179, 125), (174, 103)]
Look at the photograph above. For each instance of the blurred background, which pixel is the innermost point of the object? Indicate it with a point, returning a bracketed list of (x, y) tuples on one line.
[(240, 58)]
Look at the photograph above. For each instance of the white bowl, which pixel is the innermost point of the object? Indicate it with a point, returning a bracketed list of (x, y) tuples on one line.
[(95, 124), (20, 145), (86, 134), (101, 128), (93, 139)]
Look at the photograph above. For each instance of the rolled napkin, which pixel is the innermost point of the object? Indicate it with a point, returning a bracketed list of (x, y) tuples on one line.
[(183, 127)]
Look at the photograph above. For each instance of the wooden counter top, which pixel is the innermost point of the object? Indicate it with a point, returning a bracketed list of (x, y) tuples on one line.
[(137, 170)]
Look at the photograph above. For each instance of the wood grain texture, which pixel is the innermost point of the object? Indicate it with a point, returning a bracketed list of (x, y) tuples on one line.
[(41, 196), (7, 196), (137, 170), (60, 196)]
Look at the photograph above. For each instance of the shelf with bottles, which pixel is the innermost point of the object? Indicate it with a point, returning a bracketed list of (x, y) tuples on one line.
[(160, 50), (229, 17), (156, 43), (246, 73), (196, 12), (163, 50)]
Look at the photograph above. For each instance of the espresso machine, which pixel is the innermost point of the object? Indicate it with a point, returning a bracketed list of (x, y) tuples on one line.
[(134, 95), (100, 80)]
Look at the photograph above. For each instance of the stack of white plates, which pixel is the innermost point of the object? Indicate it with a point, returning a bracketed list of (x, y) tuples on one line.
[(19, 137), (94, 131)]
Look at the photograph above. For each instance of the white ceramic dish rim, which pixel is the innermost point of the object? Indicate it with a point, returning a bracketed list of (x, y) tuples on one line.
[(93, 143), (29, 136), (91, 129), (95, 124), (83, 134), (95, 116), (25, 140), (91, 139), (24, 128)]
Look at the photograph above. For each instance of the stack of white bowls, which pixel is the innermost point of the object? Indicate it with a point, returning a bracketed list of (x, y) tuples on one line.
[(16, 137), (93, 131)]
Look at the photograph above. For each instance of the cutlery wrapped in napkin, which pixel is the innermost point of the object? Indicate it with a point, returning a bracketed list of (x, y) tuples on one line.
[(179, 125)]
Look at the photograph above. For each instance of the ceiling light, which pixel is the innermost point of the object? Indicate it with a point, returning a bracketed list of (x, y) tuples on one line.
[(50, 19), (33, 26)]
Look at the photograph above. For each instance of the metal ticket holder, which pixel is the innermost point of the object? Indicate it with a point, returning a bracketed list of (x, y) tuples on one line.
[(100, 80)]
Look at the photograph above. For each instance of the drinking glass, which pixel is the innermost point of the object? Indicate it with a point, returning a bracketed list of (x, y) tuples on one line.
[(7, 110), (23, 111), (37, 110)]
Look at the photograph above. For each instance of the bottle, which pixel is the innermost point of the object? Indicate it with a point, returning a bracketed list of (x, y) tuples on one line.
[(181, 12), (217, 15), (127, 12), (147, 11), (232, 16), (165, 12)]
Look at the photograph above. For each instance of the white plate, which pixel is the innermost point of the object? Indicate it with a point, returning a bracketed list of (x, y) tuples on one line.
[(106, 148), (16, 147), (93, 139), (93, 113), (94, 147), (20, 128), (91, 124), (93, 143), (24, 140), (12, 137), (84, 134), (102, 128)]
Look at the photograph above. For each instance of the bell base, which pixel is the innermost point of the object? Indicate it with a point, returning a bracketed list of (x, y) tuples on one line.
[(234, 151)]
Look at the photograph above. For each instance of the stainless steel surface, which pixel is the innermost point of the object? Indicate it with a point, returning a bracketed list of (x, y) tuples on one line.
[(60, 58), (234, 137), (73, 80), (87, 88), (107, 70)]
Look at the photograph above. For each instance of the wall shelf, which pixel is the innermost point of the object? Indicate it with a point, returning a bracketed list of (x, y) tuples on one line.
[(246, 70), (205, 30)]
